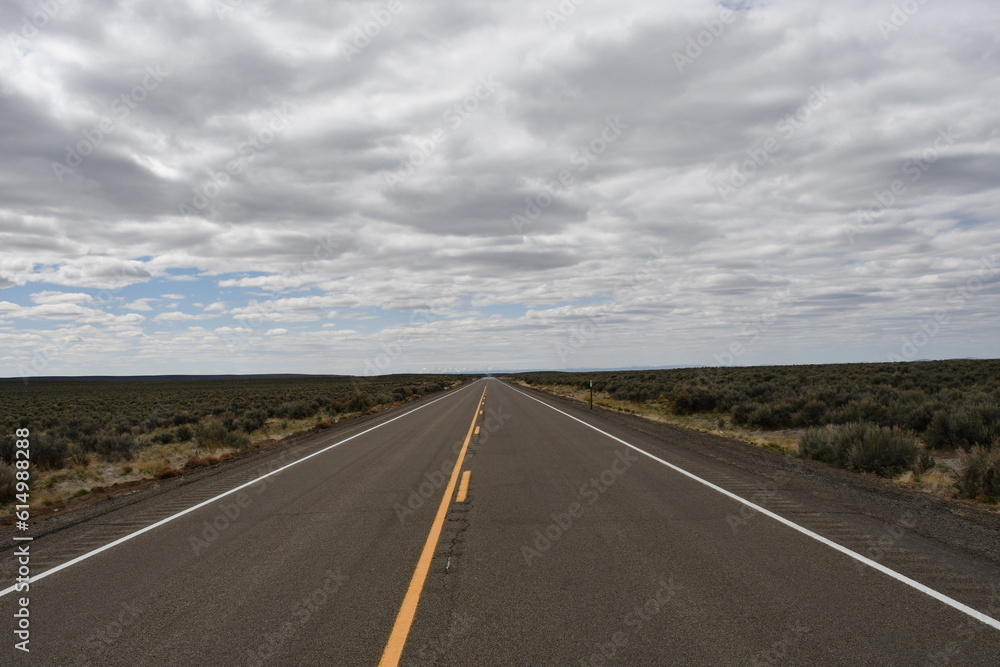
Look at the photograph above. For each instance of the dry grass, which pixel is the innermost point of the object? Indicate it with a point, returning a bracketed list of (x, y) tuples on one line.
[(939, 481), (784, 441), (153, 453), (161, 461), (152, 461)]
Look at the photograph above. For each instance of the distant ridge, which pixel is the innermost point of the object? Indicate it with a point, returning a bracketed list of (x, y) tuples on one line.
[(162, 378), (591, 370)]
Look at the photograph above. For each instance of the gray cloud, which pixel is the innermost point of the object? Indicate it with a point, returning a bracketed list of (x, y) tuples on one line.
[(737, 176)]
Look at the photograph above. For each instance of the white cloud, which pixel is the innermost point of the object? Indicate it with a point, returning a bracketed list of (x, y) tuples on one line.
[(276, 332), (273, 282), (177, 316), (45, 298), (140, 304), (289, 309), (71, 312)]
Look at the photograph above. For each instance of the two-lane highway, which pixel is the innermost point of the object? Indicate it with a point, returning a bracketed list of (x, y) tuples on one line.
[(570, 545)]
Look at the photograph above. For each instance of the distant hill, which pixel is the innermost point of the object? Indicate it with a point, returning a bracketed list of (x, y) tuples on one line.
[(160, 378), (589, 370)]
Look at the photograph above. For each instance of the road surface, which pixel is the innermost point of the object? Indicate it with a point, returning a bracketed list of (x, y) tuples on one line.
[(580, 540)]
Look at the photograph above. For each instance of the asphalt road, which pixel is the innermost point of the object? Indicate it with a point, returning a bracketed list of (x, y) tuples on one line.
[(570, 548)]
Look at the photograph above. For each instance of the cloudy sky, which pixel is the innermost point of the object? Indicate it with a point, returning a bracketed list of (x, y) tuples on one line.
[(242, 186)]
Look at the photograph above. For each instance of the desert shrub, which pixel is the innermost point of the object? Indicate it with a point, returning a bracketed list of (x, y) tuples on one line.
[(7, 448), (741, 413), (48, 452), (359, 402), (228, 420), (865, 447), (163, 438), (980, 476), (184, 433), (811, 413), (252, 420), (113, 448), (924, 462), (124, 427), (964, 427), (77, 455), (884, 451), (8, 483), (918, 417), (817, 443), (185, 417), (766, 415), (211, 434), (296, 410), (859, 411), (74, 429), (689, 399)]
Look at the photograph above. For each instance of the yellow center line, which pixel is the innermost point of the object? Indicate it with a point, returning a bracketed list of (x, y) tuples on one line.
[(477, 430), (404, 619), (463, 488)]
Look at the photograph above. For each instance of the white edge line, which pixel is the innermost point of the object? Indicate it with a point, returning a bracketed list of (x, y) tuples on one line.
[(941, 597), (33, 578)]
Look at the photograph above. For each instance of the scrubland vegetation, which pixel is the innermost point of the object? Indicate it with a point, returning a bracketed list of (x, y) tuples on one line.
[(937, 418), (89, 434)]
